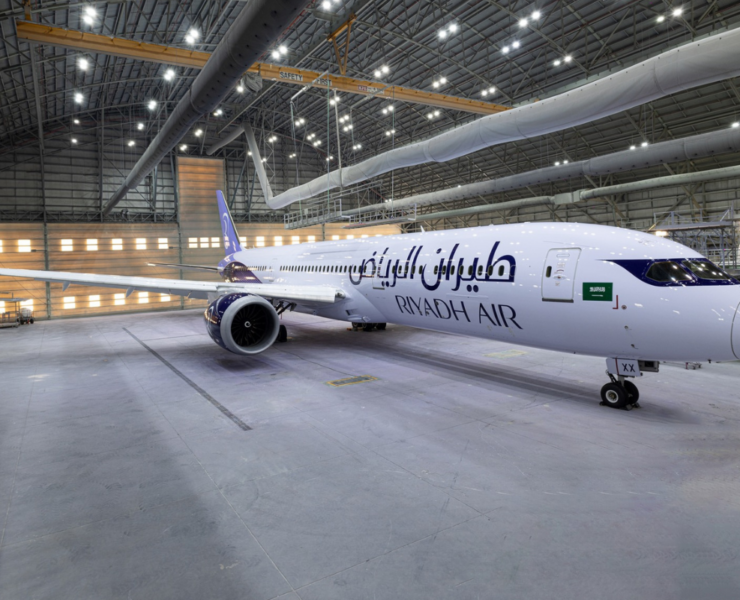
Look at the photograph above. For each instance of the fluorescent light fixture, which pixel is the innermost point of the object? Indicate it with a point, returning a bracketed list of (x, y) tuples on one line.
[(79, 97), (169, 74), (661, 233), (736, 124), (152, 104)]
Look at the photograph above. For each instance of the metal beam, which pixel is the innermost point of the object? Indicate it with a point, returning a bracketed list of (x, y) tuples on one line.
[(90, 42)]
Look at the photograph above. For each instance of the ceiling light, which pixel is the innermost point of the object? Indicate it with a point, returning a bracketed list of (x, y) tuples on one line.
[(83, 64), (198, 132), (536, 15), (357, 147), (644, 144), (523, 22), (436, 113), (218, 112), (443, 80), (484, 93), (568, 58), (326, 5), (556, 62), (183, 147), (152, 104), (194, 33), (189, 39), (505, 49), (79, 97), (240, 89), (317, 143), (76, 121), (557, 163), (632, 147), (452, 27), (140, 126), (291, 156), (73, 140), (677, 12), (131, 143), (264, 159), (328, 158), (515, 44), (90, 11), (385, 69), (283, 49), (442, 34), (736, 124), (377, 74), (88, 19), (275, 54), (430, 116), (660, 18), (565, 162), (492, 90), (169, 74), (435, 84)]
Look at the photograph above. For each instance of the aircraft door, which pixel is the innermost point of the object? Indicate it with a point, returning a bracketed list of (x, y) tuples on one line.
[(558, 278)]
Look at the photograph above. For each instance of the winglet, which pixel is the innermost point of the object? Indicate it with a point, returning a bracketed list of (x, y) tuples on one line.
[(231, 238)]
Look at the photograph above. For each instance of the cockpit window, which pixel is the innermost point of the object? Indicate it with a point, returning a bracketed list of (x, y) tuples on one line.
[(667, 272), (705, 269)]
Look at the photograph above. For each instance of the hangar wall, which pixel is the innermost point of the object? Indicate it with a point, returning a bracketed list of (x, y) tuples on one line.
[(126, 248)]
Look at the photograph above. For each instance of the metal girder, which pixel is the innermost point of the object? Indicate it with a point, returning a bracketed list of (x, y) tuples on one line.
[(78, 40)]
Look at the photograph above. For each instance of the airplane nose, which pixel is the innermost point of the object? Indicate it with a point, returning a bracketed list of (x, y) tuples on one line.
[(736, 333)]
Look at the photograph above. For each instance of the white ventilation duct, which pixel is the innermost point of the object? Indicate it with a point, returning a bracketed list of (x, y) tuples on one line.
[(698, 63), (671, 151)]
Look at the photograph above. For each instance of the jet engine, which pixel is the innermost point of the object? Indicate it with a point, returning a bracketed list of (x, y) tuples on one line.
[(242, 323)]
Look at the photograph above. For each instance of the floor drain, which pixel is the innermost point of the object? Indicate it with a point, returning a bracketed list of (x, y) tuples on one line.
[(351, 380)]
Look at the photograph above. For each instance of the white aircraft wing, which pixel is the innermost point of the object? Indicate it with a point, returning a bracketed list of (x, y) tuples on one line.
[(182, 287)]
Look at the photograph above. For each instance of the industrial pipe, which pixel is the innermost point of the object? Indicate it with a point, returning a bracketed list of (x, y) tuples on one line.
[(698, 63), (690, 148), (258, 25)]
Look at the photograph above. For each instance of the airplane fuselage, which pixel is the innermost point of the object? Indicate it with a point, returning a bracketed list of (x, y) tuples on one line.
[(569, 287)]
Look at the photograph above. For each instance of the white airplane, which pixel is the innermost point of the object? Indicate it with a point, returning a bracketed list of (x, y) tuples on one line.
[(634, 298)]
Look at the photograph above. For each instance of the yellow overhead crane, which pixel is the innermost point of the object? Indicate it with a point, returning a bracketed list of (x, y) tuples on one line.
[(91, 42)]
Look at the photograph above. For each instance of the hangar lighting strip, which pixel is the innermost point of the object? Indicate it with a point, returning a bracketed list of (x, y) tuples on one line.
[(91, 42)]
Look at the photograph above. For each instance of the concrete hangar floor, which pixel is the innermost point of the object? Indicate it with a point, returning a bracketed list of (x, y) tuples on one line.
[(467, 469)]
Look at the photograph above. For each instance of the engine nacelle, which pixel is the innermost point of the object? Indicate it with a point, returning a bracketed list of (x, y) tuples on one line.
[(242, 323)]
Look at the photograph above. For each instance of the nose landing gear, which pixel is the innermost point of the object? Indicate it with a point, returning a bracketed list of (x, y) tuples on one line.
[(620, 392)]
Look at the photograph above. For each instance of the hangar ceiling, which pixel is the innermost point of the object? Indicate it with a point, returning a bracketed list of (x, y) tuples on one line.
[(73, 122)]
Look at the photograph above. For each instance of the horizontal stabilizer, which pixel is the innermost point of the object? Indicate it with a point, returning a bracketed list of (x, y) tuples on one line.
[(183, 267)]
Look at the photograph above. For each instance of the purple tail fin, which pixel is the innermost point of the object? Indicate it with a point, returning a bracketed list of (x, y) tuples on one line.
[(231, 238)]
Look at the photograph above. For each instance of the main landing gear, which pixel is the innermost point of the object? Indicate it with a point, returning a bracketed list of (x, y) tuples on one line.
[(620, 392), (368, 326)]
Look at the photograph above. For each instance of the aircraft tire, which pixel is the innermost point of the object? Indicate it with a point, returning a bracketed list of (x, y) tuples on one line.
[(282, 335), (368, 326), (615, 396), (632, 391)]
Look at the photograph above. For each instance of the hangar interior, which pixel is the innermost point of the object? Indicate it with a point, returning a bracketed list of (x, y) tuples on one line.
[(138, 460)]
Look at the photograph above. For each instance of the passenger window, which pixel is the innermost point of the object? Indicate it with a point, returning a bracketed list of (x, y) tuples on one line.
[(705, 269), (548, 272), (480, 270), (490, 270), (444, 270), (501, 271), (667, 272), (436, 269), (470, 270), (452, 269)]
